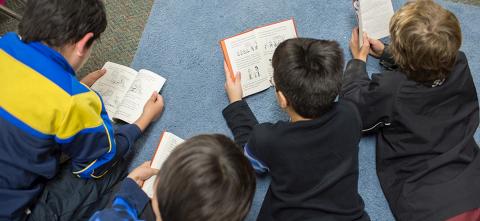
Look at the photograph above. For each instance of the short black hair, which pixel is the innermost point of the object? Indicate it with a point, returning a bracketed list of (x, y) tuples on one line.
[(206, 178), (62, 22), (309, 73)]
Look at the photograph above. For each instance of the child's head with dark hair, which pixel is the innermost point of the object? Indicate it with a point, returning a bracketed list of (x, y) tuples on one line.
[(308, 73), (62, 22), (425, 39), (205, 178)]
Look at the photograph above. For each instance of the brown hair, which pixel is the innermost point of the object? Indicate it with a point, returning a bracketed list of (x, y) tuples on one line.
[(425, 39), (206, 178)]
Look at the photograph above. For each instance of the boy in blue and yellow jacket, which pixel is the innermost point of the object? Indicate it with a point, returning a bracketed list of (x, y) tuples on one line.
[(45, 112)]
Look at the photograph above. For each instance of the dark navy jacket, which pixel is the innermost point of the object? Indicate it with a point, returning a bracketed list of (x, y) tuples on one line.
[(428, 162), (127, 205)]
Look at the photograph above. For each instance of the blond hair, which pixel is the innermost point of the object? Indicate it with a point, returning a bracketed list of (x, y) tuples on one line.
[(425, 39)]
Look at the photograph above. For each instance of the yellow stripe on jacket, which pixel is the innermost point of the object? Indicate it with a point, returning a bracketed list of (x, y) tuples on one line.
[(55, 111)]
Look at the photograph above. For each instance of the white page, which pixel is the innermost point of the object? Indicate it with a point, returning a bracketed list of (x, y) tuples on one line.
[(167, 144), (374, 18), (114, 85), (138, 94), (269, 37), (245, 57)]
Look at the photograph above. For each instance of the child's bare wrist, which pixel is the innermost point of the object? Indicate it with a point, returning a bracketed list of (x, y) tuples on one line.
[(234, 99), (143, 122)]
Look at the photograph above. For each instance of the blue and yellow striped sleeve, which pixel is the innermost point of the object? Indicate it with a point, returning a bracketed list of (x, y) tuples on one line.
[(87, 136)]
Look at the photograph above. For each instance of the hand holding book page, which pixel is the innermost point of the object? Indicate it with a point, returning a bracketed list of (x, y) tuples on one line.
[(138, 94), (168, 143), (125, 91), (373, 17), (250, 54)]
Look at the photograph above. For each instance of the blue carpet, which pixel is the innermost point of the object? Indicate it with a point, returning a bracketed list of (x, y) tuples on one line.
[(180, 42)]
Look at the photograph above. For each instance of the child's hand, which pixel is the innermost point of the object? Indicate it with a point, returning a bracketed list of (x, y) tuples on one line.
[(151, 111), (233, 87), (376, 47), (142, 173), (357, 52), (90, 79)]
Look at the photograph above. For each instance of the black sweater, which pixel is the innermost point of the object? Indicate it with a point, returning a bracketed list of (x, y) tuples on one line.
[(313, 164), (427, 159)]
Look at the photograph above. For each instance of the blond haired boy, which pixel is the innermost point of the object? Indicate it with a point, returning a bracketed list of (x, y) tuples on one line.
[(424, 111)]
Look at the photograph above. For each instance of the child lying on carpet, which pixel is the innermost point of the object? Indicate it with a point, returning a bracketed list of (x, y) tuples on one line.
[(313, 159), (424, 111), (205, 178)]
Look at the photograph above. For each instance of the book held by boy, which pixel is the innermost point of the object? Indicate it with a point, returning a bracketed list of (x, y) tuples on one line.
[(125, 91), (373, 18), (250, 54), (168, 143)]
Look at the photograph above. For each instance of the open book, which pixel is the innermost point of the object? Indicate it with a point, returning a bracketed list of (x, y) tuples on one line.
[(168, 143), (373, 17), (125, 91), (250, 54)]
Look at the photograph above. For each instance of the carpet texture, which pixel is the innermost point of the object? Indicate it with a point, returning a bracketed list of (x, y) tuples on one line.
[(126, 21), (180, 42)]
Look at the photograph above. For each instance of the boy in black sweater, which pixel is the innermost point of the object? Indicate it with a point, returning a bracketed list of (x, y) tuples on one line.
[(313, 159), (424, 112)]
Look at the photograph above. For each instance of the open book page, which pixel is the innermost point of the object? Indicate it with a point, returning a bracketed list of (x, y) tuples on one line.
[(245, 57), (168, 143), (250, 54), (138, 94), (374, 17), (269, 37), (114, 85)]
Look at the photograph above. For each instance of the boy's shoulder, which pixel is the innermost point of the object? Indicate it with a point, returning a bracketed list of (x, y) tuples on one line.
[(389, 78), (341, 111), (348, 109)]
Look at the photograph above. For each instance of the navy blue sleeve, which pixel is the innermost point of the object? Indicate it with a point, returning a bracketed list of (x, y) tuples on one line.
[(128, 203), (240, 120), (93, 154), (373, 97)]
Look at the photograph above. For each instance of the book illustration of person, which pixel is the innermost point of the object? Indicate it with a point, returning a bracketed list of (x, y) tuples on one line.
[(257, 72), (254, 47)]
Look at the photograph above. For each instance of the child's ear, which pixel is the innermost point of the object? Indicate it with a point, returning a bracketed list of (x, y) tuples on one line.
[(282, 100), (82, 47)]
